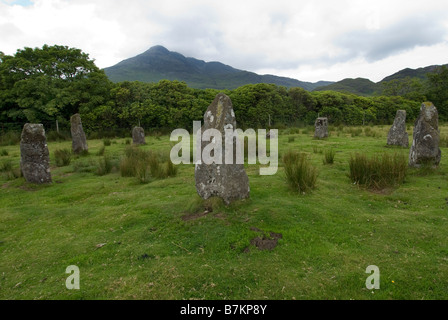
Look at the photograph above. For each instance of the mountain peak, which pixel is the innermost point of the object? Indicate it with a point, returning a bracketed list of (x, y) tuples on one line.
[(158, 49)]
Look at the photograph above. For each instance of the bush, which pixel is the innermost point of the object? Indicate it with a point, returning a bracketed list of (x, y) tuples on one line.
[(329, 156), (300, 174), (376, 172), (62, 157)]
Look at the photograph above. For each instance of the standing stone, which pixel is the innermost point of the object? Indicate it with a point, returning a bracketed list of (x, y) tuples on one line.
[(79, 141), (321, 128), (35, 158), (426, 136), (397, 134), (138, 135), (228, 181)]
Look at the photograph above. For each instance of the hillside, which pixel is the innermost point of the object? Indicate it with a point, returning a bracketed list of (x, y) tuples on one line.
[(419, 73), (365, 87), (359, 86), (159, 63)]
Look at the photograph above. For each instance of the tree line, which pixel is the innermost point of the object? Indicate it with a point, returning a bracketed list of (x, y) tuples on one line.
[(54, 82)]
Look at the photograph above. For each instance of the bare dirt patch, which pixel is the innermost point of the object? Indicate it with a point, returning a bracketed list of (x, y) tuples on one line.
[(266, 241)]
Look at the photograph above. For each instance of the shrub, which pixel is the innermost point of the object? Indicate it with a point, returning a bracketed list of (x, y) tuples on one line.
[(378, 172), (300, 174), (63, 157), (329, 156)]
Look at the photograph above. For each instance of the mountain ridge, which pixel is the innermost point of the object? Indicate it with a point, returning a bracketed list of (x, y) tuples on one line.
[(366, 87), (159, 63)]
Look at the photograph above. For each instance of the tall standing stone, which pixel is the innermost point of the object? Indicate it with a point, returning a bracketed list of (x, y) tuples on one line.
[(79, 141), (138, 135), (34, 155), (228, 181), (397, 134), (321, 128), (425, 144)]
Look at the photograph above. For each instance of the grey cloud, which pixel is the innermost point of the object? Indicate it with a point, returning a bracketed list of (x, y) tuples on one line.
[(405, 35)]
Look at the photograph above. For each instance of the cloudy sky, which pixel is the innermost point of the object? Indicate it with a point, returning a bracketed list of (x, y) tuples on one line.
[(309, 40)]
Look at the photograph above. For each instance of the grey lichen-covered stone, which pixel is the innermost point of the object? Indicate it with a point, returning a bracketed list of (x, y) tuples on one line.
[(79, 141), (138, 135), (321, 128), (397, 134), (425, 143), (228, 181), (34, 155)]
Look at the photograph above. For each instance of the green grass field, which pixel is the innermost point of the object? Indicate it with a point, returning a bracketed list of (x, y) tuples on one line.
[(159, 240)]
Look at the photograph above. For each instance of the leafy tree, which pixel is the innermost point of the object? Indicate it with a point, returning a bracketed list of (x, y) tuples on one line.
[(44, 83), (409, 88), (438, 90)]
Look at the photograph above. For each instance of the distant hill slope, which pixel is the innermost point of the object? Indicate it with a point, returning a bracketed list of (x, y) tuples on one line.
[(412, 73), (159, 63), (359, 86), (365, 87)]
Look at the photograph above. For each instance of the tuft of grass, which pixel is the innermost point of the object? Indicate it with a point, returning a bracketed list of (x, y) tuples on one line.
[(63, 157), (10, 138), (101, 151), (4, 153), (329, 155), (354, 132), (145, 165), (54, 136), (316, 149), (378, 172), (8, 172), (291, 139), (443, 142), (104, 166), (106, 142), (301, 175)]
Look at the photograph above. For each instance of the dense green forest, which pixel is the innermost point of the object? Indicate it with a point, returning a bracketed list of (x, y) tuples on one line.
[(53, 82)]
